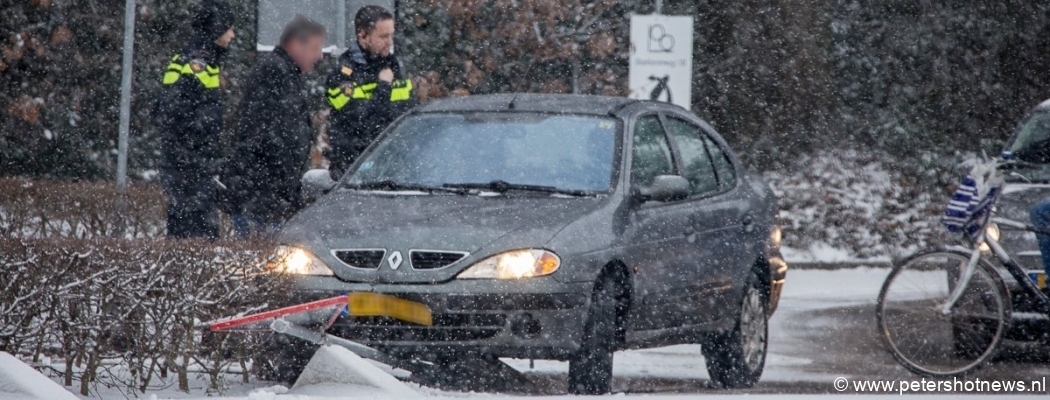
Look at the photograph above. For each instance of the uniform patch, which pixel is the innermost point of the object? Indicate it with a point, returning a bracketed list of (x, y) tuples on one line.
[(347, 71), (197, 65)]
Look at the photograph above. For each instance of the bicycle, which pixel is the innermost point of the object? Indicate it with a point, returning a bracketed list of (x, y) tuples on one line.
[(943, 312)]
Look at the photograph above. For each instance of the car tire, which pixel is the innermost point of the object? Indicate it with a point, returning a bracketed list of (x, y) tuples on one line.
[(590, 369), (282, 359), (735, 358)]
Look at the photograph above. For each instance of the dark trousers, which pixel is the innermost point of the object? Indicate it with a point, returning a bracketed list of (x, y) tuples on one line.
[(1040, 215), (192, 211)]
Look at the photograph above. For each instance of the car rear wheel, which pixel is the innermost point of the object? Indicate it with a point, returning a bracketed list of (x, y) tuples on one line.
[(736, 358), (590, 370)]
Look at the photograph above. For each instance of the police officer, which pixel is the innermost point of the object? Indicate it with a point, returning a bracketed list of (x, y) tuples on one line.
[(189, 115), (367, 90)]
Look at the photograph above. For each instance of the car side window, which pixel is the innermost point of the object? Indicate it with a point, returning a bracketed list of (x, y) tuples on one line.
[(651, 155), (724, 167), (696, 164)]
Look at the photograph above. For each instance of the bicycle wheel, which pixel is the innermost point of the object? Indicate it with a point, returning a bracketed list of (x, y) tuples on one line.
[(921, 337)]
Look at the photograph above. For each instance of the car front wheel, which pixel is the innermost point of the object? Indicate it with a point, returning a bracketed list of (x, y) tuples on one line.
[(590, 370), (735, 358)]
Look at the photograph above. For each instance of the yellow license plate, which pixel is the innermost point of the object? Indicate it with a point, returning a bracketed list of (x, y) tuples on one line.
[(1039, 278), (366, 304)]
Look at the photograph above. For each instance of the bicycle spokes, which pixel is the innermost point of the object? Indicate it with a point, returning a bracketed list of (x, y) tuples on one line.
[(927, 340)]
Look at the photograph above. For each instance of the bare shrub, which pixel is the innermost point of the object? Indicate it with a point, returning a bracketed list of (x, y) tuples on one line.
[(50, 209), (143, 302)]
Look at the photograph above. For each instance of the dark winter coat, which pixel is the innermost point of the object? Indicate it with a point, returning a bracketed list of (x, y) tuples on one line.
[(362, 106), (272, 141), (189, 113)]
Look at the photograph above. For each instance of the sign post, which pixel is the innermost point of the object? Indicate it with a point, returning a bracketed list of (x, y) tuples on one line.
[(661, 61), (125, 95), (125, 111)]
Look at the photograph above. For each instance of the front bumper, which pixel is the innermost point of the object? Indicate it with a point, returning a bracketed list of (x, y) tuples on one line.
[(531, 318)]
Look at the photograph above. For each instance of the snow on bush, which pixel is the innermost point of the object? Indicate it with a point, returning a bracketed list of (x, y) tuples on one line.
[(850, 205), (139, 304)]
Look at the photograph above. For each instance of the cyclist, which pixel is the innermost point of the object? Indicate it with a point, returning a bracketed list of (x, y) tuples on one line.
[(1032, 144)]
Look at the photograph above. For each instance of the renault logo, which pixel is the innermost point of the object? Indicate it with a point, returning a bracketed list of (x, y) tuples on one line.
[(395, 260)]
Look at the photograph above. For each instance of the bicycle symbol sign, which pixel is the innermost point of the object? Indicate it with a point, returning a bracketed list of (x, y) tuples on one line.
[(661, 58)]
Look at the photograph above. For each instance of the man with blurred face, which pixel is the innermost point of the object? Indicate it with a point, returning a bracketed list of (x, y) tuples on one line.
[(368, 88), (273, 136), (189, 114)]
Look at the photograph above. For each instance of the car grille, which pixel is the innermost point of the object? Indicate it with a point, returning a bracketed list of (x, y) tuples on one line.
[(427, 259), (365, 259), (446, 328)]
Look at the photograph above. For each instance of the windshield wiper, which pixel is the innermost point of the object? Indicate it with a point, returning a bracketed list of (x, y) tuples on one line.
[(391, 185), (501, 186)]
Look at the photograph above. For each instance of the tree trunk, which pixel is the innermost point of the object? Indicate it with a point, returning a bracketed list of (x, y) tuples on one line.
[(89, 374)]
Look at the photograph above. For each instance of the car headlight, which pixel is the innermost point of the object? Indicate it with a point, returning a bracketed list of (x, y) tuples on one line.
[(992, 232), (297, 261), (775, 236), (527, 263)]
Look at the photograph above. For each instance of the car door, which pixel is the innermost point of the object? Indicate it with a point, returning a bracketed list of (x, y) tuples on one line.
[(655, 235), (714, 218), (745, 214)]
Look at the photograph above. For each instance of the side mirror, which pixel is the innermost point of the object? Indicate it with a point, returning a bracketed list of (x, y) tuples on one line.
[(317, 182), (665, 188)]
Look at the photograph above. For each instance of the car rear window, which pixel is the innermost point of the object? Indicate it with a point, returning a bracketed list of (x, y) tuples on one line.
[(724, 167)]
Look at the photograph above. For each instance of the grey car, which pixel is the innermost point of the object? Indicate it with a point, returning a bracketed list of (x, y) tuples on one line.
[(546, 227)]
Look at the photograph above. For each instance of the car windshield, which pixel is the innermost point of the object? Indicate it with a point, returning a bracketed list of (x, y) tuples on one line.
[(495, 151), (1035, 131), (1032, 144)]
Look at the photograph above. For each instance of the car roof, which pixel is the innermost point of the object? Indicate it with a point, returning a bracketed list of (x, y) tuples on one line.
[(535, 102)]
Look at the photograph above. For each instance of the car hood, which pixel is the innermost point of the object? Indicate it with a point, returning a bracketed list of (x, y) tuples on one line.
[(1016, 200), (476, 225)]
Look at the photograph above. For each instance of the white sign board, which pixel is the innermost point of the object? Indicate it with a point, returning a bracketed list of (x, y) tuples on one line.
[(274, 14), (662, 59)]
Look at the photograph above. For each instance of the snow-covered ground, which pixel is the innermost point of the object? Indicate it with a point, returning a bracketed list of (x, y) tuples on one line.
[(21, 382), (792, 360)]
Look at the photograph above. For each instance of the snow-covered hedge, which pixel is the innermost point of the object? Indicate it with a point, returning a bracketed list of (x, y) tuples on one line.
[(848, 206), (87, 307)]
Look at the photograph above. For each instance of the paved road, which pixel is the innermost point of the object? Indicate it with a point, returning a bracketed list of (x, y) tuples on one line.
[(825, 328)]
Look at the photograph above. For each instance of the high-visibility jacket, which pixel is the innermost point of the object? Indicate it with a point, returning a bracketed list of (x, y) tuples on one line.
[(189, 113), (362, 106), (208, 75)]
